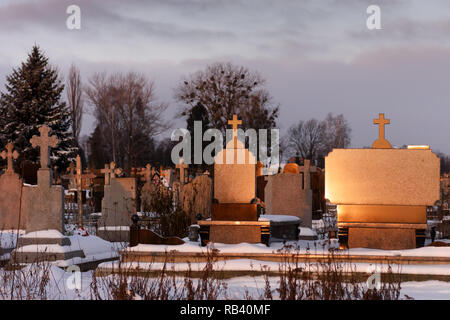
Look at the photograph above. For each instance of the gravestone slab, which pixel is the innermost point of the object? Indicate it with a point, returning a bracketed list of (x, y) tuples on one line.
[(119, 202), (43, 205), (284, 195), (234, 181), (382, 177), (10, 186)]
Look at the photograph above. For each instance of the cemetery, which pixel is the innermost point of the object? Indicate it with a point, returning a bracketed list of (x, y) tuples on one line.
[(224, 150), (153, 216)]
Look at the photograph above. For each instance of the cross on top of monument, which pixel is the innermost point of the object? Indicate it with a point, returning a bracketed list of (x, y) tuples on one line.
[(381, 142), (235, 122), (107, 173), (182, 166), (306, 169), (44, 142), (10, 155), (113, 170)]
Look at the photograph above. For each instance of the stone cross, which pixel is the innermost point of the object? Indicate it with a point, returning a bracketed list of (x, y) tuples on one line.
[(88, 176), (114, 171), (235, 122), (44, 142), (10, 155), (306, 169), (107, 173), (182, 166), (381, 142)]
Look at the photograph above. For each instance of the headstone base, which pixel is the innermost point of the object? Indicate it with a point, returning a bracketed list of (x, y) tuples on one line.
[(233, 232), (385, 236)]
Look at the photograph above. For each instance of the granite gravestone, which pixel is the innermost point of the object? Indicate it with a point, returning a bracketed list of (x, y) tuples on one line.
[(382, 193)]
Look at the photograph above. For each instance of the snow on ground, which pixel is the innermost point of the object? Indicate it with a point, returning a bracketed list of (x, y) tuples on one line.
[(319, 246), (53, 234), (257, 265), (278, 218), (94, 249), (61, 286), (307, 232), (189, 246), (8, 238), (115, 228)]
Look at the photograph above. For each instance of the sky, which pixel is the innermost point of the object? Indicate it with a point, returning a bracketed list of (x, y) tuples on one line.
[(317, 56)]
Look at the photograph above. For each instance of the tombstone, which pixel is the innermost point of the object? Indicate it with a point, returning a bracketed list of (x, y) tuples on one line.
[(234, 216), (182, 167), (382, 193), (43, 207), (289, 193), (118, 205), (10, 189), (196, 197), (44, 204)]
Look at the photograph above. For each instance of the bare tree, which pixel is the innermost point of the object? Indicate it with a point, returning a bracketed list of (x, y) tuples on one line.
[(127, 113), (314, 139), (337, 133), (306, 138), (224, 89), (75, 101)]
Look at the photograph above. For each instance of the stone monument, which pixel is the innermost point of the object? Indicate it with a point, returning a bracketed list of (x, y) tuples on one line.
[(10, 189), (382, 193), (290, 193), (234, 215), (43, 208), (118, 205)]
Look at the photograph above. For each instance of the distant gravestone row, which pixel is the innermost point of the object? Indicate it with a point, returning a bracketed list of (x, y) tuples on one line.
[(381, 196)]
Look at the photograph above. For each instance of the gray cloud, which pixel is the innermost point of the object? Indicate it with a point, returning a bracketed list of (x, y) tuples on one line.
[(317, 56)]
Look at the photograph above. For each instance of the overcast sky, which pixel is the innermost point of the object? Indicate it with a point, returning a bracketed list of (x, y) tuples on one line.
[(317, 56)]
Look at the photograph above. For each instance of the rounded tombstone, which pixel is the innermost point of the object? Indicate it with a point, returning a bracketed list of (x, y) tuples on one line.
[(291, 168)]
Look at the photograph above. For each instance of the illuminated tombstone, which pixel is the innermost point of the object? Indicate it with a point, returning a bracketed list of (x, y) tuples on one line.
[(382, 193)]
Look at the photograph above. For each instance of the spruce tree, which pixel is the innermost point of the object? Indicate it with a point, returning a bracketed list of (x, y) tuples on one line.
[(33, 98)]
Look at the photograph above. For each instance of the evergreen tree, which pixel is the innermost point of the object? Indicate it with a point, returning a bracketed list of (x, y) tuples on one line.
[(33, 98)]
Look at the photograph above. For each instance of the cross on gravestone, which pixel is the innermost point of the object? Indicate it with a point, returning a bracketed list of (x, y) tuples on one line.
[(306, 169), (10, 155), (234, 123), (71, 175), (381, 142), (107, 173), (114, 171), (44, 142), (182, 166), (88, 176)]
